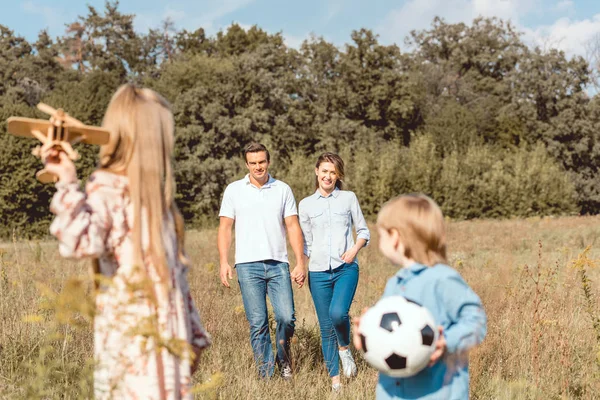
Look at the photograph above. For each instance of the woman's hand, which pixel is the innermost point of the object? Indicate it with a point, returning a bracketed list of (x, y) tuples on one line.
[(349, 256), (58, 163), (440, 347)]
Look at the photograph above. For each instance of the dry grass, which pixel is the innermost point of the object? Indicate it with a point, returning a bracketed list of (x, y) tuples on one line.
[(543, 334)]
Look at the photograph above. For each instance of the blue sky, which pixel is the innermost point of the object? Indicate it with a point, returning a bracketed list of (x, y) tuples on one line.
[(567, 24)]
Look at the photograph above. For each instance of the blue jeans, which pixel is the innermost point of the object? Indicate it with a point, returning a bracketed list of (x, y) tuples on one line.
[(256, 279), (332, 292)]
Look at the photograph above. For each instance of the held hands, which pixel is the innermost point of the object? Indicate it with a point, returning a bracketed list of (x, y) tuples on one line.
[(226, 274), (440, 345), (58, 163), (298, 274)]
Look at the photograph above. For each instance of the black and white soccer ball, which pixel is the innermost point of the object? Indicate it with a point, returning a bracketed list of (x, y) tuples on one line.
[(398, 336)]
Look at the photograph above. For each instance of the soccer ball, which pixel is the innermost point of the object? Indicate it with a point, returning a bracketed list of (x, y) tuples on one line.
[(398, 336)]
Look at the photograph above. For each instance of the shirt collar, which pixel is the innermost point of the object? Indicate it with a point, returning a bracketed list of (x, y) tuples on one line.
[(412, 269), (335, 193), (270, 182)]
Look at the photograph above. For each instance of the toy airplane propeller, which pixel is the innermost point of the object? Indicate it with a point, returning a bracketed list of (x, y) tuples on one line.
[(60, 132)]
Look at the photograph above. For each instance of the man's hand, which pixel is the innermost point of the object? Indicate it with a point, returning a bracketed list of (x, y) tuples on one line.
[(226, 274), (299, 275), (440, 347), (349, 256)]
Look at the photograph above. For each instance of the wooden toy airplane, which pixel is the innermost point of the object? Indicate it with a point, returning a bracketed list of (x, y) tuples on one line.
[(60, 132)]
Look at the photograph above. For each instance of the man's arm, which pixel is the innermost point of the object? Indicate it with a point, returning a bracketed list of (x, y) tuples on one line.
[(297, 243), (224, 243)]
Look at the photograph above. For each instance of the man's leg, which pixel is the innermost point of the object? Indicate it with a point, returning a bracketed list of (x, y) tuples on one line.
[(279, 287), (253, 285)]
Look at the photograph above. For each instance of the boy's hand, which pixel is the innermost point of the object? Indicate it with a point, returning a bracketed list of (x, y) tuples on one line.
[(58, 163), (440, 348), (355, 335)]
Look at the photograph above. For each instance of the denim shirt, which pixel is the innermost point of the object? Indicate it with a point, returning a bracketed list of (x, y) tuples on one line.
[(327, 227), (455, 307)]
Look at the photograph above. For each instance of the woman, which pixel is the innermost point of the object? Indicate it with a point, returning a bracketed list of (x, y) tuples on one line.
[(326, 218)]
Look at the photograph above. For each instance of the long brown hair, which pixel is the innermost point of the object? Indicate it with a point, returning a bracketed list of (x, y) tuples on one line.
[(141, 146), (339, 168), (420, 224)]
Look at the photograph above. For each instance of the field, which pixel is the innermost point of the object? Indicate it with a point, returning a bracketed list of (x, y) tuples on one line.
[(538, 284)]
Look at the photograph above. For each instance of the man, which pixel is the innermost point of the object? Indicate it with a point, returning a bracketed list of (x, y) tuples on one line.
[(262, 208)]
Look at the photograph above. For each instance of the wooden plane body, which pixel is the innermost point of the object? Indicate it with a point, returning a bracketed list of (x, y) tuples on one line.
[(60, 132)]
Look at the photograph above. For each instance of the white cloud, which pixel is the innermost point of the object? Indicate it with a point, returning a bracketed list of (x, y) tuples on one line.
[(564, 5), (565, 34), (294, 41), (212, 12), (53, 17)]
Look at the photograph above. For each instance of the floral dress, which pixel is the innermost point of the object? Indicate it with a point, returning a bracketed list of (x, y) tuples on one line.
[(142, 335)]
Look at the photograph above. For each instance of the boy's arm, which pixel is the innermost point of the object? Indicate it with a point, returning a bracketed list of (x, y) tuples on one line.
[(468, 321)]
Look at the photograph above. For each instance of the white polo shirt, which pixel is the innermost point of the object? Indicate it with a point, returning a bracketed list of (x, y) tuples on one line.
[(259, 218)]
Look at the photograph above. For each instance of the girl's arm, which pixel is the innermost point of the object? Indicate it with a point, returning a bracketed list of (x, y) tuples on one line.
[(468, 321), (82, 221), (200, 338)]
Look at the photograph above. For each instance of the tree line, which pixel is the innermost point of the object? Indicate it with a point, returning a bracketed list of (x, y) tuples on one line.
[(466, 113)]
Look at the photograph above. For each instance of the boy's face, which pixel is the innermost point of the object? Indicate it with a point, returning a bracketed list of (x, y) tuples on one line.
[(391, 246)]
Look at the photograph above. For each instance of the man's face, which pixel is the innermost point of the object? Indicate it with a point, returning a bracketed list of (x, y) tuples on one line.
[(257, 164)]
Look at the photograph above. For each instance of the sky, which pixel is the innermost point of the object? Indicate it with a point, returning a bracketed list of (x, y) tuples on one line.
[(565, 24)]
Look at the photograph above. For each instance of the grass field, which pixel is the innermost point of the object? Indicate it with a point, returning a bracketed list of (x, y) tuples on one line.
[(538, 285)]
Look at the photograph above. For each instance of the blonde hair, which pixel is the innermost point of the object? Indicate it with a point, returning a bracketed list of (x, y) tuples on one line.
[(420, 224), (141, 145)]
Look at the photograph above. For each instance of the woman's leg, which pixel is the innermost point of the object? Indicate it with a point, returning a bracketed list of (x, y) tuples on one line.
[(321, 289), (345, 281)]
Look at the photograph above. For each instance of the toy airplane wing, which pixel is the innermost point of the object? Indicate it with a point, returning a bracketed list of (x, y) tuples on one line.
[(20, 126)]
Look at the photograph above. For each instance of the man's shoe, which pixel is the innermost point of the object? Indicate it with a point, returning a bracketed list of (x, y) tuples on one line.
[(336, 387), (286, 372), (348, 365)]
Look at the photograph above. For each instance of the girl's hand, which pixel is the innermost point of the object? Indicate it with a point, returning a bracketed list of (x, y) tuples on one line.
[(197, 351), (440, 348), (349, 256), (58, 163)]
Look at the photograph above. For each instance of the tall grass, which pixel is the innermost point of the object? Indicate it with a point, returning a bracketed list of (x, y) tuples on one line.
[(537, 278)]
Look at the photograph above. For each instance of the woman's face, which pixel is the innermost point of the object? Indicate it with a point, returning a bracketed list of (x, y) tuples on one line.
[(326, 176)]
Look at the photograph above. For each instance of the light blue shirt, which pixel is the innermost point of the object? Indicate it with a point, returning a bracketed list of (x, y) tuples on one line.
[(326, 223), (259, 215), (453, 305)]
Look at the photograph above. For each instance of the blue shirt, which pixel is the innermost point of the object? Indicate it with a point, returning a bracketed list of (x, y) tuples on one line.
[(458, 309), (326, 223)]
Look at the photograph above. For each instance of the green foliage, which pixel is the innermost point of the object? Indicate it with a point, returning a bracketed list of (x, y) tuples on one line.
[(470, 116)]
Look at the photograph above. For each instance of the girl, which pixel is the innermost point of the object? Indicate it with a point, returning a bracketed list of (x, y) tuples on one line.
[(412, 235), (147, 331), (326, 220)]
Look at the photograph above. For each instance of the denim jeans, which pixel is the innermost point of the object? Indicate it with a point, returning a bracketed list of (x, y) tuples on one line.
[(257, 279), (332, 292)]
